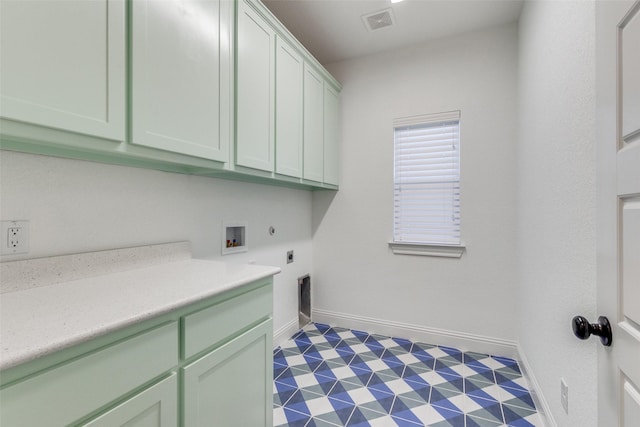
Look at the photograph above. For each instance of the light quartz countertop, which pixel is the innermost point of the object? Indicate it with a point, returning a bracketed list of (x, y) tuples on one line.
[(41, 320)]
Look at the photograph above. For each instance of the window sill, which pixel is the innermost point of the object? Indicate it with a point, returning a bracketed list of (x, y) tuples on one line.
[(447, 251)]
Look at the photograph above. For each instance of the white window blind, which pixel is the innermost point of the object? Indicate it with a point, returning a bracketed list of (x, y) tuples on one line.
[(427, 179)]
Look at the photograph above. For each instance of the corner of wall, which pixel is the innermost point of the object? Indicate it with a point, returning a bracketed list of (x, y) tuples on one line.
[(285, 332), (556, 245), (544, 412)]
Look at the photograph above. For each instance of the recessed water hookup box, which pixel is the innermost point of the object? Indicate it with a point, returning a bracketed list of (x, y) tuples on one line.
[(234, 237)]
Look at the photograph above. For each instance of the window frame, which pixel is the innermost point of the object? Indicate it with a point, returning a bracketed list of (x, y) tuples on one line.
[(427, 248)]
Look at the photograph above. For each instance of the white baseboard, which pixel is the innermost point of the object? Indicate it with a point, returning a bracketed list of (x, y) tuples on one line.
[(285, 332), (459, 340), (539, 400)]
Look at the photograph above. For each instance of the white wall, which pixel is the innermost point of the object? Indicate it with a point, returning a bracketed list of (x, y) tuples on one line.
[(354, 270), (556, 203), (75, 206)]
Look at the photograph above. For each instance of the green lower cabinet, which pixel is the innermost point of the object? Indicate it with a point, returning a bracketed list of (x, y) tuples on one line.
[(157, 406), (72, 391), (232, 385), (135, 377)]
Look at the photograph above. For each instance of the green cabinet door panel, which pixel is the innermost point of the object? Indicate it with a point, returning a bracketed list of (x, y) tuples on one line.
[(331, 136), (63, 65), (156, 406), (289, 73), (72, 391), (313, 167), (255, 53), (232, 385), (212, 325), (181, 77)]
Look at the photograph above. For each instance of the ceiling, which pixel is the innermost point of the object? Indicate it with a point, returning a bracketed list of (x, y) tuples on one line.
[(333, 30)]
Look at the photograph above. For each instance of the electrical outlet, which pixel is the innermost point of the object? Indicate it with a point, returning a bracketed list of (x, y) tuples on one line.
[(289, 257), (14, 237), (564, 395)]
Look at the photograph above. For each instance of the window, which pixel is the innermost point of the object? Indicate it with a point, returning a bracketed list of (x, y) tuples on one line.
[(426, 218)]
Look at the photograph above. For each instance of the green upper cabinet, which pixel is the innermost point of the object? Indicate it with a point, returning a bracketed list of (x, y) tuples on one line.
[(255, 90), (286, 104), (331, 135), (289, 73), (181, 70), (321, 136), (63, 65), (313, 166), (210, 87)]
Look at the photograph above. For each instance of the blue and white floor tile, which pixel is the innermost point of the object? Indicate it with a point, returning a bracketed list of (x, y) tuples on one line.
[(329, 376)]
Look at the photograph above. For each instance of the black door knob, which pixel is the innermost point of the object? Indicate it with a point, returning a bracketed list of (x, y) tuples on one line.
[(583, 329)]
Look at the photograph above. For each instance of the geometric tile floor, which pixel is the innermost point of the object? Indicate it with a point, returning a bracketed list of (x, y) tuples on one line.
[(328, 376)]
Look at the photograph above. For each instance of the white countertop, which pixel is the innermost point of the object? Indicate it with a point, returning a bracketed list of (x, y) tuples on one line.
[(39, 321)]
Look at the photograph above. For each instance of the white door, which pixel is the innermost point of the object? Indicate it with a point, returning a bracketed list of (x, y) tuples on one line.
[(618, 154)]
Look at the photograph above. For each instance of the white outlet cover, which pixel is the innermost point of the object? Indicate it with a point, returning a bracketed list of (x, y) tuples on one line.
[(564, 395), (23, 246)]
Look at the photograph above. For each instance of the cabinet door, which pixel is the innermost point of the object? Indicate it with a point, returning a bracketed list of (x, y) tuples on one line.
[(331, 137), (289, 72), (181, 76), (255, 90), (232, 385), (72, 390), (156, 406), (63, 65), (313, 126)]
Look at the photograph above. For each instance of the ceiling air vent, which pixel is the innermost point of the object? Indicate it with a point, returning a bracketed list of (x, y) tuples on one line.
[(380, 19)]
